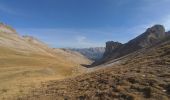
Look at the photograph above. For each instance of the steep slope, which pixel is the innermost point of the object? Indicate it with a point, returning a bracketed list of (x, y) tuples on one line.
[(142, 75), (94, 53), (27, 61), (28, 46), (150, 37)]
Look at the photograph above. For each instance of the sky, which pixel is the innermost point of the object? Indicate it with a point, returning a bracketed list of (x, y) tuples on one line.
[(84, 23)]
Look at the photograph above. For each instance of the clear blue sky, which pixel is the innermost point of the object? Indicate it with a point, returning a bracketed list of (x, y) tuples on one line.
[(84, 23)]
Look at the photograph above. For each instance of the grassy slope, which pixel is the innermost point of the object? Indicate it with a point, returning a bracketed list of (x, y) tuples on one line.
[(23, 67), (17, 69), (143, 75)]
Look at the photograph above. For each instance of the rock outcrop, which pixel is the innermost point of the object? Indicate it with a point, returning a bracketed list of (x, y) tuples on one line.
[(111, 46), (150, 37)]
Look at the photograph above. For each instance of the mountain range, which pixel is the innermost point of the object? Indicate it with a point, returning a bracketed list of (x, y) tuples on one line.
[(136, 70), (93, 53)]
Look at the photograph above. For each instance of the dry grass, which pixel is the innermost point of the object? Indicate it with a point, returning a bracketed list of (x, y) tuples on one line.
[(143, 75), (26, 62), (21, 72)]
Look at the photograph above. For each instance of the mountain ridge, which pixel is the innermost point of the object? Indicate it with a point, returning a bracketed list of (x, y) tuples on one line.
[(151, 36)]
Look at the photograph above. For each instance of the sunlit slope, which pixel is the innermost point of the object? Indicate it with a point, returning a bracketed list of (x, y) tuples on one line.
[(28, 51), (27, 61)]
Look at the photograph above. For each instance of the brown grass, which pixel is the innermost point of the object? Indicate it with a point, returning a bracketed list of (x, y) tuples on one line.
[(143, 76), (21, 72)]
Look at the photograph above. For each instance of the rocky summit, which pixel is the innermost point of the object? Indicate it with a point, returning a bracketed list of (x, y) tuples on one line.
[(151, 36)]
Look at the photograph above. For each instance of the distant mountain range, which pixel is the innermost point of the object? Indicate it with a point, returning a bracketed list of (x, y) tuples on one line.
[(94, 53)]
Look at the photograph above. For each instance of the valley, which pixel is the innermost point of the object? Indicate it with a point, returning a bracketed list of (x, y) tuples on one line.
[(84, 50), (142, 75), (136, 70)]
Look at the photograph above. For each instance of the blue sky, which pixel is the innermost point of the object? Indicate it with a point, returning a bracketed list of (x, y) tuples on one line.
[(84, 23)]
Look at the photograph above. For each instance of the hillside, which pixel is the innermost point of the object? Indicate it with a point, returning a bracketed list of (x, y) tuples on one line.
[(26, 61), (142, 75)]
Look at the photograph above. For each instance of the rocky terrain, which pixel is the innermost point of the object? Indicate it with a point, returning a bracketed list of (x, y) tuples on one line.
[(141, 75), (94, 53)]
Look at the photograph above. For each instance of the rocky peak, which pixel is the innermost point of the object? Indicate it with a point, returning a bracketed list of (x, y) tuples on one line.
[(150, 36), (157, 30), (110, 46)]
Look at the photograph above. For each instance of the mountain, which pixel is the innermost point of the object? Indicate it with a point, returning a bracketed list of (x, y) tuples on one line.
[(150, 37), (136, 70), (94, 53), (141, 75), (27, 61)]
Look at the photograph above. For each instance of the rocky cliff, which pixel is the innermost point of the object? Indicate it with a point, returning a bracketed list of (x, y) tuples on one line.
[(111, 46)]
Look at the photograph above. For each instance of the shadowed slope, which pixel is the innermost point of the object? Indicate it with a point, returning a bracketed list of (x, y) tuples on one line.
[(150, 37)]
